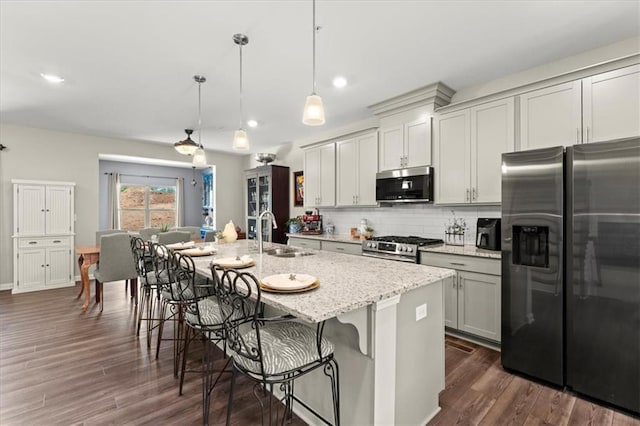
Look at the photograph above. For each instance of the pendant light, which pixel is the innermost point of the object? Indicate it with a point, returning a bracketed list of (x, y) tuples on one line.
[(240, 139), (199, 157), (187, 146), (313, 109)]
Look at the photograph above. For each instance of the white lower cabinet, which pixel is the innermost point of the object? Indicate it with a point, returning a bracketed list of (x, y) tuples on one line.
[(472, 299), (43, 263), (334, 246)]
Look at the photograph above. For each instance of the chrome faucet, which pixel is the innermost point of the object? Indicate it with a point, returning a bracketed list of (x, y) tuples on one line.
[(259, 227)]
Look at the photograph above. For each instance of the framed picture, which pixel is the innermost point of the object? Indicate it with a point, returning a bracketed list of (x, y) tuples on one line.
[(298, 189)]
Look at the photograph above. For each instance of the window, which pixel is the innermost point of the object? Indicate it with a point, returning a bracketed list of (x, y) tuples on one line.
[(146, 206)]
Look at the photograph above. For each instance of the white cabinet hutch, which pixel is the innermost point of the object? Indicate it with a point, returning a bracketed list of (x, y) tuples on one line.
[(43, 235)]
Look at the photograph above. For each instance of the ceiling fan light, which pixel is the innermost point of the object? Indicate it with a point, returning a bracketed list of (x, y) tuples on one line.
[(187, 146), (313, 111), (240, 140), (199, 157)]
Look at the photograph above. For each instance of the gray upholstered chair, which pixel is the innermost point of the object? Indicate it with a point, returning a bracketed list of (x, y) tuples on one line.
[(100, 233), (116, 263), (146, 233), (173, 237), (193, 230), (210, 236)]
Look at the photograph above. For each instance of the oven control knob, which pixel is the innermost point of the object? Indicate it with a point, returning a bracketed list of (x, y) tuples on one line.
[(409, 249), (402, 248)]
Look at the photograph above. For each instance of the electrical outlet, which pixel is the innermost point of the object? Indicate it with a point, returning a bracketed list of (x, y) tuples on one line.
[(421, 312)]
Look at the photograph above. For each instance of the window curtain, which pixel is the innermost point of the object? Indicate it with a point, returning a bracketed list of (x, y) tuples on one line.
[(113, 203), (179, 201)]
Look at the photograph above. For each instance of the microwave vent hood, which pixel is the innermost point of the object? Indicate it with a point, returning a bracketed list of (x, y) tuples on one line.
[(410, 185)]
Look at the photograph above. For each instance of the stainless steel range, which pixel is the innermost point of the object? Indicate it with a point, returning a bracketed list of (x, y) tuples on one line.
[(394, 247)]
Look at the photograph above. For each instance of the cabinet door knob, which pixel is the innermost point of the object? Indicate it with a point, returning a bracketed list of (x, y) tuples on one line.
[(475, 194), (468, 197)]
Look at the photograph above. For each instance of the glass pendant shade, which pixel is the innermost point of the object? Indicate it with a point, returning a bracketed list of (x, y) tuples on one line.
[(199, 157), (240, 140), (187, 146), (313, 111)]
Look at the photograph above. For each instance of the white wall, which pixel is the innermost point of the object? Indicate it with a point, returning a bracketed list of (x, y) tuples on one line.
[(49, 155)]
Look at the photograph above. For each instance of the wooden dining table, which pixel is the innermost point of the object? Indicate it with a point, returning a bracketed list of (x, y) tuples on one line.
[(87, 256)]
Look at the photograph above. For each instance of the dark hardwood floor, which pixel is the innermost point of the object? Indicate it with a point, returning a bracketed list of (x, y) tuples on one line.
[(479, 392), (60, 366)]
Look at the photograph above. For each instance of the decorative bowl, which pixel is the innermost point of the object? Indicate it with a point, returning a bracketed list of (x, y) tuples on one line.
[(265, 158)]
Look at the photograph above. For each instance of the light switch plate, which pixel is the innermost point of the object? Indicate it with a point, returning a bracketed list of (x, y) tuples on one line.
[(421, 312)]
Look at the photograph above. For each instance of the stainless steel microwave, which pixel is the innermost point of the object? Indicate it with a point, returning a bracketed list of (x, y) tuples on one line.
[(413, 185)]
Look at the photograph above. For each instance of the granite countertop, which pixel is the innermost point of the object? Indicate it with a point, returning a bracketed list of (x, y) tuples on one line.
[(338, 238), (466, 250), (347, 283)]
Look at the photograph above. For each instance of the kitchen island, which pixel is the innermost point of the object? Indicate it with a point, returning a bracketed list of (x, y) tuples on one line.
[(385, 320)]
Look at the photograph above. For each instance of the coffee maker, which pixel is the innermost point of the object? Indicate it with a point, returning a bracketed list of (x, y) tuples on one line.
[(488, 234), (311, 223)]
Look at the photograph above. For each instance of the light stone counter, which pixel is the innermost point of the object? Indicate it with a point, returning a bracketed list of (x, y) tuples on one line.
[(466, 250), (338, 238), (347, 283)]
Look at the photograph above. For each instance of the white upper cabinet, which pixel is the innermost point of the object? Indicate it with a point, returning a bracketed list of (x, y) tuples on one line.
[(356, 167), (44, 209), (598, 108), (320, 176), (452, 152), (611, 105), (550, 116), (468, 147), (492, 134), (405, 145)]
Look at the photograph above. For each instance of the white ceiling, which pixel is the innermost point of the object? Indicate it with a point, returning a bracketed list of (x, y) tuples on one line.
[(129, 66)]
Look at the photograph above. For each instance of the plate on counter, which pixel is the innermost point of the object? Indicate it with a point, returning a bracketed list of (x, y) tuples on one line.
[(234, 262), (181, 246), (300, 290), (198, 251), (288, 282)]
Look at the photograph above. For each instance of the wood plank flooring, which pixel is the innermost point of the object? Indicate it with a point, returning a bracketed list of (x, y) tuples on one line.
[(479, 392), (60, 366)]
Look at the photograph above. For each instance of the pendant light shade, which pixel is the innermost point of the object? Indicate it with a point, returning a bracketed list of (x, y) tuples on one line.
[(240, 138), (199, 157), (187, 146), (313, 111), (313, 114)]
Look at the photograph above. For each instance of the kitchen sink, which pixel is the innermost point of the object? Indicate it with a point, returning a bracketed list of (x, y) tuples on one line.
[(288, 252)]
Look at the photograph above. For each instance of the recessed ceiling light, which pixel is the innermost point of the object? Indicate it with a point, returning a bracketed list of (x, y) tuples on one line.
[(339, 82), (52, 78), (252, 123)]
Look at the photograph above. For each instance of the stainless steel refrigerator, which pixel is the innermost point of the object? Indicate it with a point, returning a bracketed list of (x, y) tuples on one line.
[(571, 268)]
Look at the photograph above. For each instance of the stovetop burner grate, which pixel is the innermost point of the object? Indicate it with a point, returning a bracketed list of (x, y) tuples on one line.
[(411, 239)]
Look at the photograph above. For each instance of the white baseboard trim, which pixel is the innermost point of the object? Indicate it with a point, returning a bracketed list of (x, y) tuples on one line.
[(430, 416), (6, 286)]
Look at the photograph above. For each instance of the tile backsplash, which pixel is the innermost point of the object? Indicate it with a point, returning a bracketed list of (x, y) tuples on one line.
[(424, 220)]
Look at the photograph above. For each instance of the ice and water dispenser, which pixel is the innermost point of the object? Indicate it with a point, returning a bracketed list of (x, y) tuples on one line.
[(531, 245)]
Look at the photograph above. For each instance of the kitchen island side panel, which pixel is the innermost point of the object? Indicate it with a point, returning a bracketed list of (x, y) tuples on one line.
[(419, 367)]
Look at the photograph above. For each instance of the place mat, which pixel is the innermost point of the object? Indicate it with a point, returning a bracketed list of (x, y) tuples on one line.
[(288, 281), (234, 262), (300, 290), (181, 246), (198, 251)]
